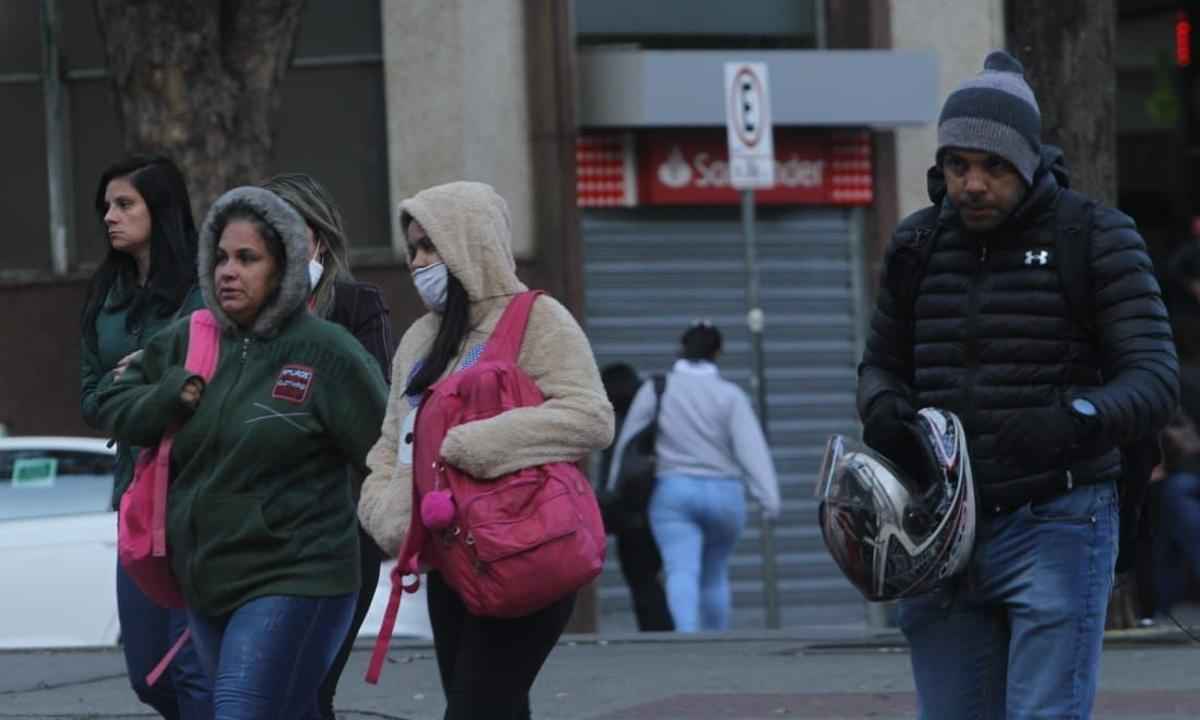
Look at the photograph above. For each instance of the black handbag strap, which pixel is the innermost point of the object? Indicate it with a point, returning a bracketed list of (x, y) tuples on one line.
[(660, 386), (646, 439)]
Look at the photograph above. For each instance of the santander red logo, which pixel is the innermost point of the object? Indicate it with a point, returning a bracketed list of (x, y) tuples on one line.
[(675, 171), (690, 166), (708, 170)]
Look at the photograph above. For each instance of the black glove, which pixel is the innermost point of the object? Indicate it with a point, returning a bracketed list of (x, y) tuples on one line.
[(888, 429), (1048, 437)]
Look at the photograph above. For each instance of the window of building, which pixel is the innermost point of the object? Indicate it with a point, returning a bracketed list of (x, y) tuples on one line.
[(699, 24), (331, 124)]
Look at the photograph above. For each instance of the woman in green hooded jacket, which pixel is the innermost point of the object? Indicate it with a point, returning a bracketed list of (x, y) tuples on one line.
[(261, 526)]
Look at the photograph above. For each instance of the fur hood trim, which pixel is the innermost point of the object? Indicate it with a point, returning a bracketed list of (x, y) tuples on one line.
[(294, 286)]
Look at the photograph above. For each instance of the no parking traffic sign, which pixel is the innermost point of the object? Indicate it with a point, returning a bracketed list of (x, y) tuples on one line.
[(748, 126), (751, 167)]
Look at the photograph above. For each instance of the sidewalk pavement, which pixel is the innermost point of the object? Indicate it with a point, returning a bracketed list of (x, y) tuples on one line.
[(815, 672)]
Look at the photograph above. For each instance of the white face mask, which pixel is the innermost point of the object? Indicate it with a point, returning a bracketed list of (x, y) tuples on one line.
[(315, 271), (431, 285)]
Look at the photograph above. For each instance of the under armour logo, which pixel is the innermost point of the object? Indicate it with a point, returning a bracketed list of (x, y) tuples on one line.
[(1041, 258)]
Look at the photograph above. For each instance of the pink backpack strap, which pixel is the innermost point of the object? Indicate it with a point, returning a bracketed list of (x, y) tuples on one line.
[(163, 664), (406, 566), (408, 561), (162, 476), (505, 341), (204, 346)]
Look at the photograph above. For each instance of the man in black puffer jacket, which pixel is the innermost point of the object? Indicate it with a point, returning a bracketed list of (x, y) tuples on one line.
[(1046, 404)]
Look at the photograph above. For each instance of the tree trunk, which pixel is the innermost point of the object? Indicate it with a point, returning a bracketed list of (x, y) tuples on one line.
[(198, 82), (1068, 48)]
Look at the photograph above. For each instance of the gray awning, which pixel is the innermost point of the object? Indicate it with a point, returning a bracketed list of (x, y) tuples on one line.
[(646, 88)]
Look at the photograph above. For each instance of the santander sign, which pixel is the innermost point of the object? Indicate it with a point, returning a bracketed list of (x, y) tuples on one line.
[(704, 170), (691, 167)]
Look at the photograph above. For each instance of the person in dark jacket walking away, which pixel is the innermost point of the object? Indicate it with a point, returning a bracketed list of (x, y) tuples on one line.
[(637, 551), (1045, 404), (146, 279), (358, 307), (260, 515)]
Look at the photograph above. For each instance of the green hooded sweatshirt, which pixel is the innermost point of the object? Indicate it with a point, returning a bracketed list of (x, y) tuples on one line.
[(260, 500)]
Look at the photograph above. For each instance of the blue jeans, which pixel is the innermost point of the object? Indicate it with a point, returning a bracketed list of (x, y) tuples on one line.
[(268, 658), (147, 633), (696, 521), (1177, 537), (1019, 636)]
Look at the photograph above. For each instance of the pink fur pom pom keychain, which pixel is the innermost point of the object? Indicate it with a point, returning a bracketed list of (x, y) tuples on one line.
[(437, 509)]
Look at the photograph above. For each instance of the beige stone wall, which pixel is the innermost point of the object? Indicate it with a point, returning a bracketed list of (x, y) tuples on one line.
[(455, 82), (961, 32)]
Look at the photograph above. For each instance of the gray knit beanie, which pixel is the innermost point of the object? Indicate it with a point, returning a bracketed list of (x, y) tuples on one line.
[(995, 112)]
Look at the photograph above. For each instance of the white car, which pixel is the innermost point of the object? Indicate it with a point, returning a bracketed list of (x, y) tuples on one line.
[(58, 549)]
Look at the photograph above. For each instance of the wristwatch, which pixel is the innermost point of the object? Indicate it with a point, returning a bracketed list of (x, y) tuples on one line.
[(1085, 414), (1084, 409)]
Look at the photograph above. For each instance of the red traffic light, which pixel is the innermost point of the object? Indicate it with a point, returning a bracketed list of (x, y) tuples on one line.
[(1183, 40)]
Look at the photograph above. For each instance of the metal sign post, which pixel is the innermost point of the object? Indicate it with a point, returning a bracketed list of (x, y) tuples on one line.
[(751, 166)]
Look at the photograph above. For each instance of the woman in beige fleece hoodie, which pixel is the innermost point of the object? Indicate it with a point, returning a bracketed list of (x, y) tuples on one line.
[(459, 249)]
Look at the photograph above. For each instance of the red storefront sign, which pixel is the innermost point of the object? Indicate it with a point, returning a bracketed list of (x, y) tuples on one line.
[(605, 170), (690, 167)]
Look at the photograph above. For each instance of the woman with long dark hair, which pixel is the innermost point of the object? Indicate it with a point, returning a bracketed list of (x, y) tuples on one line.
[(147, 278), (359, 307)]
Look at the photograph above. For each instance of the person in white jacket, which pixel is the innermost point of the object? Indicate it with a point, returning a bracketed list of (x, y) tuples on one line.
[(709, 442)]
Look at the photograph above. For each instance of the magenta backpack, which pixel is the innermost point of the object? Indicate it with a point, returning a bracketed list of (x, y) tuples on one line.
[(142, 521), (510, 546)]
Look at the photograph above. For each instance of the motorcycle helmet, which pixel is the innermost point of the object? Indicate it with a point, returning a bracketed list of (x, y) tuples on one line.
[(896, 534)]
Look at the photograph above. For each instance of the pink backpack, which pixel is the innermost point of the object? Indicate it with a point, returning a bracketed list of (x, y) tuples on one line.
[(509, 546), (142, 521)]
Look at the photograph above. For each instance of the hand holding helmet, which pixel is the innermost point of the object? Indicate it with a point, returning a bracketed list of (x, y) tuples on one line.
[(886, 417), (890, 429), (894, 534)]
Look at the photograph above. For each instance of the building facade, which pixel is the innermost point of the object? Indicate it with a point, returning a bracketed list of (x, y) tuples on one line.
[(601, 123)]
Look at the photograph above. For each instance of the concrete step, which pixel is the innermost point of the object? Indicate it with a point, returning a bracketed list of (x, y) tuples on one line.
[(749, 567), (748, 593)]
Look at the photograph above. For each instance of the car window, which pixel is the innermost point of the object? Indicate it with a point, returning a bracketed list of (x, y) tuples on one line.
[(47, 483)]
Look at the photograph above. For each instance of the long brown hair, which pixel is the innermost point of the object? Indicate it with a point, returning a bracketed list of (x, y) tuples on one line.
[(320, 212)]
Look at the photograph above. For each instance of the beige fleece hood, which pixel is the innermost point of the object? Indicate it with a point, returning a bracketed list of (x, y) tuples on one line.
[(470, 226)]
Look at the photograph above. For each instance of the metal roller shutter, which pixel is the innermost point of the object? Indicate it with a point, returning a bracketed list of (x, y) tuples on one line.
[(650, 272)]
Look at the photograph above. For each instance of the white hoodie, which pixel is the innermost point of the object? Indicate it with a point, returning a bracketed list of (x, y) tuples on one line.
[(706, 427)]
